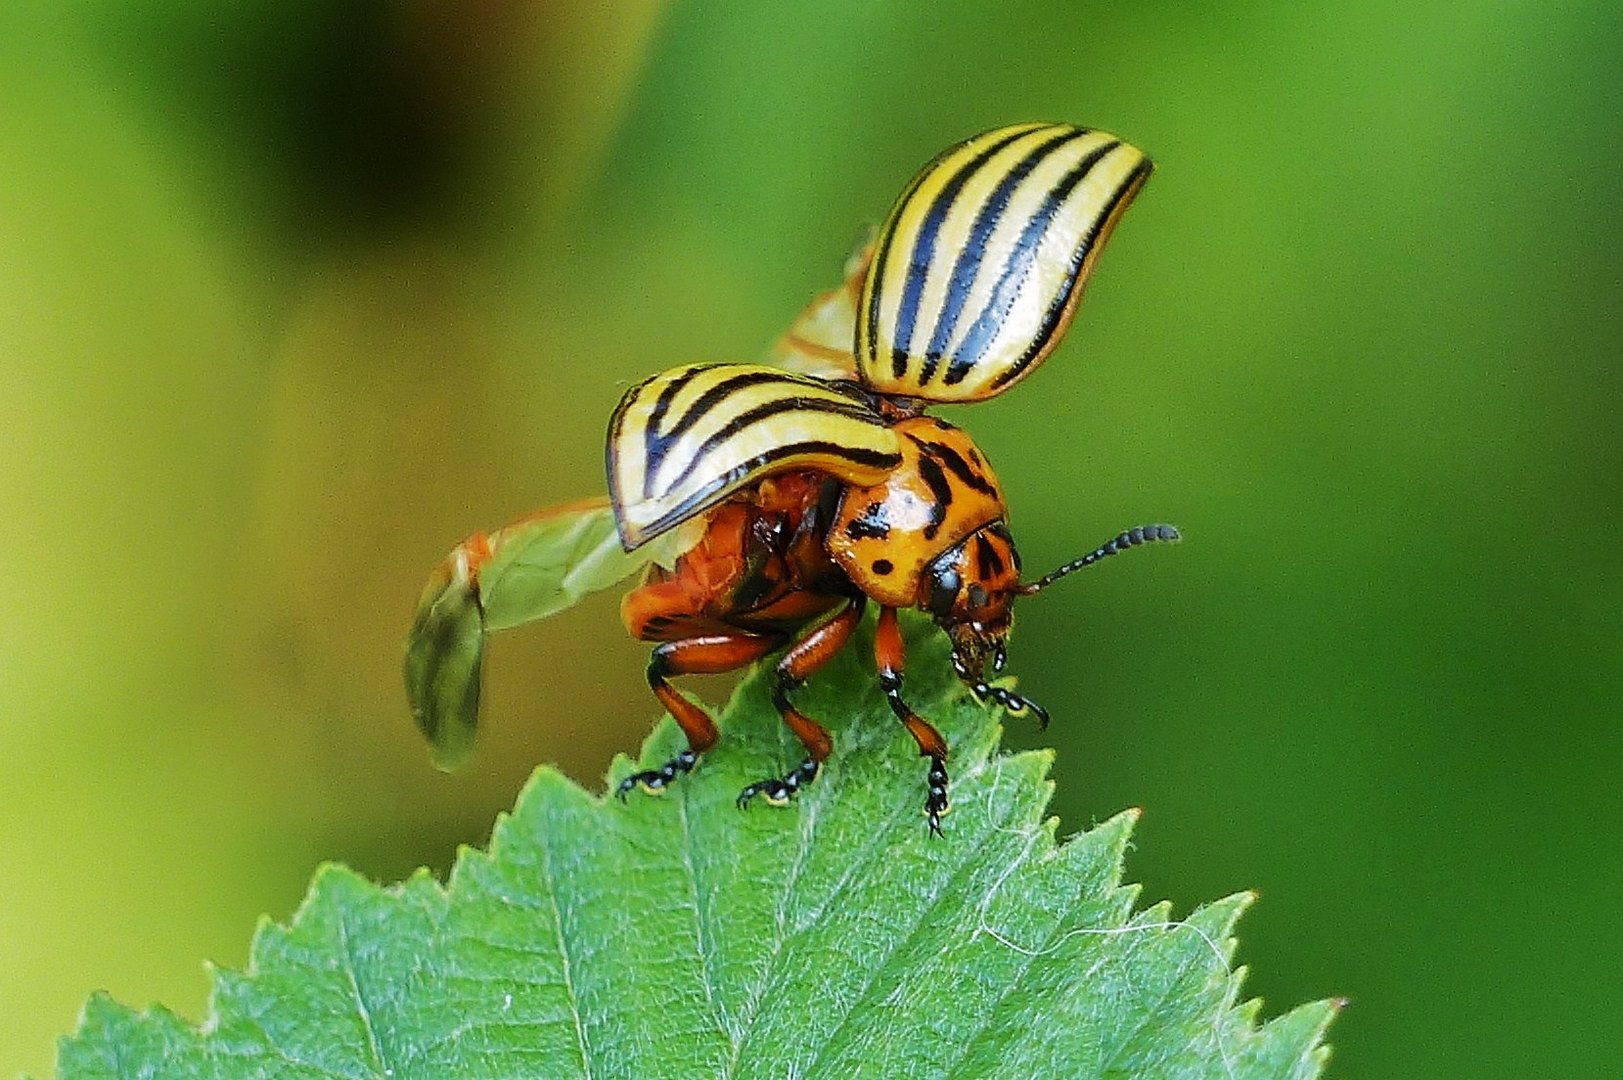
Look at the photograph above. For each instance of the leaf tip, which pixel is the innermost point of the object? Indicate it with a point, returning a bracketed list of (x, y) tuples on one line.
[(1226, 912), (1116, 831)]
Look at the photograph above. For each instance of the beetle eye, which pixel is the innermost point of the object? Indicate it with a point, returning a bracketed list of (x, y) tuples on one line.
[(943, 593), (977, 594)]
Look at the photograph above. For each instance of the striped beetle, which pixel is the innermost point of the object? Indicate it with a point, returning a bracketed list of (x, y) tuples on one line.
[(760, 501)]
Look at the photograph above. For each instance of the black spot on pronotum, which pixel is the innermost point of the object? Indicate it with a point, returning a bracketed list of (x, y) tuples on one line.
[(940, 492), (883, 566), (872, 524), (955, 463)]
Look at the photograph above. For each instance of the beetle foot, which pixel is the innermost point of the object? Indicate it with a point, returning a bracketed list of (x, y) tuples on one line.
[(778, 791), (1014, 704), (936, 804), (655, 781)]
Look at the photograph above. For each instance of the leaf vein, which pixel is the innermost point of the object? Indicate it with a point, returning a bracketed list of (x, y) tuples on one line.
[(379, 1059), (563, 955), (701, 938)]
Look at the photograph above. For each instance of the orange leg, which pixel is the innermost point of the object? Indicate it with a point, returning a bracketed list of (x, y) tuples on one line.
[(810, 653), (889, 657), (693, 656)]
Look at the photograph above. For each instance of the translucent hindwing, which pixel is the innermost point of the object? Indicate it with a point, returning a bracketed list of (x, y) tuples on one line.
[(978, 270), (537, 566), (688, 438)]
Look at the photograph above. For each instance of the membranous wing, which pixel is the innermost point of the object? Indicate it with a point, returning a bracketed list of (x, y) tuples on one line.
[(535, 567), (686, 439), (979, 268)]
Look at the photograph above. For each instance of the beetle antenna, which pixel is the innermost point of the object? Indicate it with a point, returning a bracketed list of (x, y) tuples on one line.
[(1143, 534)]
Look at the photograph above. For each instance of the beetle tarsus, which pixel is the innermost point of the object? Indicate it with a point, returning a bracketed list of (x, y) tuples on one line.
[(655, 781), (779, 790), (1012, 703), (936, 804)]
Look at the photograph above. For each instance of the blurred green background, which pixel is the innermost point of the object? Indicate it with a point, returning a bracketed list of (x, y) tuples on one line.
[(294, 295)]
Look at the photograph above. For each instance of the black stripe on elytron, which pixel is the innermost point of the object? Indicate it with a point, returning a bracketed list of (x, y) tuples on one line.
[(1018, 267), (657, 443), (1134, 180), (653, 448), (969, 258), (922, 256), (767, 409), (954, 461), (672, 388), (714, 396), (699, 500), (940, 493), (876, 272)]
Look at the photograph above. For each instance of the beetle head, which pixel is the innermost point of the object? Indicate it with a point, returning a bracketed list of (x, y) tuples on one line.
[(970, 590)]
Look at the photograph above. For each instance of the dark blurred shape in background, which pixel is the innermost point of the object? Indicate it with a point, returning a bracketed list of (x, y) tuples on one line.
[(294, 296)]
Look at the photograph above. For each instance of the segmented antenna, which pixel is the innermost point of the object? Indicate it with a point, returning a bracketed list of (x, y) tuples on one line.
[(1143, 534)]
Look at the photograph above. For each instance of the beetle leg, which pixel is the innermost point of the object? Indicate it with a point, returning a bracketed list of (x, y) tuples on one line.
[(1014, 704), (693, 656), (889, 657), (810, 653)]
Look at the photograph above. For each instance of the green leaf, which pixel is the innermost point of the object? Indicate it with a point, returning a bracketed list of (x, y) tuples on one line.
[(681, 936)]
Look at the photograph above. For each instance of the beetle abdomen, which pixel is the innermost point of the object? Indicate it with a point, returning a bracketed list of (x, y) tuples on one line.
[(980, 265)]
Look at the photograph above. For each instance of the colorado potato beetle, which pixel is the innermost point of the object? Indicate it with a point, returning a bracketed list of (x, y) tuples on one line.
[(766, 505)]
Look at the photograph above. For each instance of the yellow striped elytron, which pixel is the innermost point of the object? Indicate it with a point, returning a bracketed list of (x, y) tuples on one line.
[(688, 438), (805, 491), (982, 261)]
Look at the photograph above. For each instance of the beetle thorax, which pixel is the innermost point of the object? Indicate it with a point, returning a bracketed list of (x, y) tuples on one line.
[(886, 536)]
